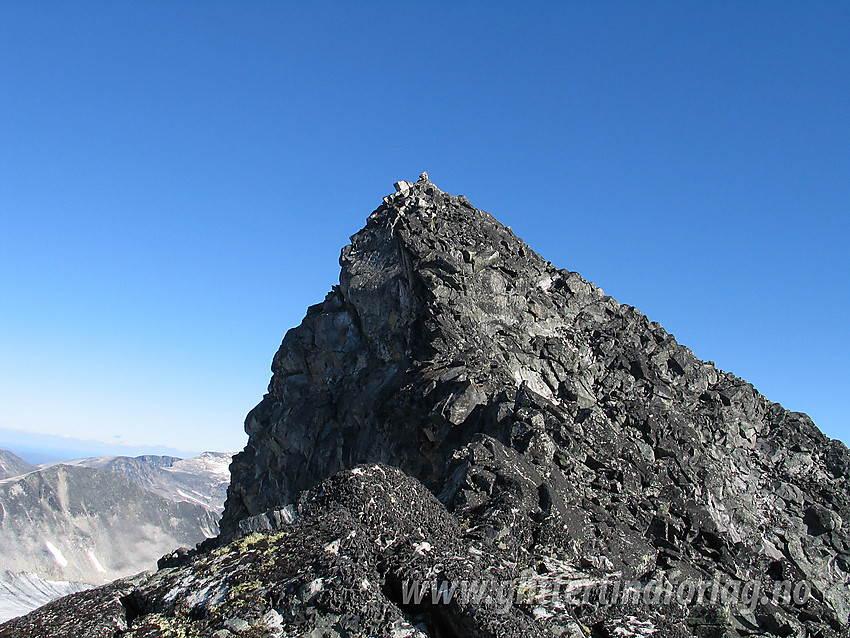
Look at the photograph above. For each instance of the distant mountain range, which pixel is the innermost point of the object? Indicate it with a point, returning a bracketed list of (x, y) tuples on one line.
[(38, 448), (202, 480), (68, 526)]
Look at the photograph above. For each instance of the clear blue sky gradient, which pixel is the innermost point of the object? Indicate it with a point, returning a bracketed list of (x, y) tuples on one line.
[(177, 180)]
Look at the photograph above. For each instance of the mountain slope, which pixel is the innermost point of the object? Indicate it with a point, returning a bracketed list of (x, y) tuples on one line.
[(87, 525), (570, 446), (454, 352), (66, 523), (20, 593), (11, 465)]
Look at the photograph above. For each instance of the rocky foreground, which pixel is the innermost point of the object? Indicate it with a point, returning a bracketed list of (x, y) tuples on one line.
[(463, 440)]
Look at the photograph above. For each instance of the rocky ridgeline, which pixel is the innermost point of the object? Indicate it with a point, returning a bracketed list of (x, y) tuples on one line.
[(573, 449), (11, 465)]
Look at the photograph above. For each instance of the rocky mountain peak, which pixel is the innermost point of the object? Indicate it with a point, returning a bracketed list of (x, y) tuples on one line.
[(436, 299), (459, 412), (531, 403)]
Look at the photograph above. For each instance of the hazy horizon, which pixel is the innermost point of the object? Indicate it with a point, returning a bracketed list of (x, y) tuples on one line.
[(37, 448)]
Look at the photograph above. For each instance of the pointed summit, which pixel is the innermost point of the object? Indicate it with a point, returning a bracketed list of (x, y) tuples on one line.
[(454, 352), (570, 445), (437, 302)]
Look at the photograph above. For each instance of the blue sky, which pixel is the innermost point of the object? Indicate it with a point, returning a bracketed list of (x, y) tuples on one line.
[(177, 180)]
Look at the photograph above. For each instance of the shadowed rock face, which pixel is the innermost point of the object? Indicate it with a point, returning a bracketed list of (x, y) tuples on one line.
[(440, 311), (567, 439), (452, 351)]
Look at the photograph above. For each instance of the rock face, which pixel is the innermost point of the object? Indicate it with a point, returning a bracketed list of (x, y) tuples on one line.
[(510, 453), (543, 411), (343, 569)]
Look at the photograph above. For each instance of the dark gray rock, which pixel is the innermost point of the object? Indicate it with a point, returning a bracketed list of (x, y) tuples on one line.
[(542, 410), (585, 465), (267, 521), (372, 553)]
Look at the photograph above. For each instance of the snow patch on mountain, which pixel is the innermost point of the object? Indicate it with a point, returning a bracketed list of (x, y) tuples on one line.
[(23, 592), (208, 463), (94, 561), (57, 554)]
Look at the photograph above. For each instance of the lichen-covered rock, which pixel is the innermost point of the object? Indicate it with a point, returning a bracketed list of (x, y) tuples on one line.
[(472, 442), (363, 538), (373, 553)]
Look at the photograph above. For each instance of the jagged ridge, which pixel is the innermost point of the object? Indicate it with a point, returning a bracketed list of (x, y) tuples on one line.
[(447, 327), (562, 432)]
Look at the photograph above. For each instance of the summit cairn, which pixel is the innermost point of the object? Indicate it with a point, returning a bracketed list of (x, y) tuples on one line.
[(463, 440)]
